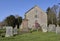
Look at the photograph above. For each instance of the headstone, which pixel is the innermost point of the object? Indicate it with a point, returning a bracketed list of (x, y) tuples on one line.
[(33, 28), (57, 30), (15, 30), (51, 28), (9, 31), (4, 27), (44, 28)]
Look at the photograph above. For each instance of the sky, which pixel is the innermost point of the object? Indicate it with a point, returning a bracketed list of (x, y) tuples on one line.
[(19, 7)]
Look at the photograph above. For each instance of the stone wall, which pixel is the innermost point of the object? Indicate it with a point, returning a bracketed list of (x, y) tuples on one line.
[(24, 25)]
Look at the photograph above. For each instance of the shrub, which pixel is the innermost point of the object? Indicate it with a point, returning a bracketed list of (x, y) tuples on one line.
[(3, 35), (2, 31)]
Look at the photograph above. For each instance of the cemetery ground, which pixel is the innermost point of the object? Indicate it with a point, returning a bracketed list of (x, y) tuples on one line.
[(34, 36)]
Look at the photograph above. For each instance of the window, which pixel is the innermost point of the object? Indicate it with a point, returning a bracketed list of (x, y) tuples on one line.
[(35, 16)]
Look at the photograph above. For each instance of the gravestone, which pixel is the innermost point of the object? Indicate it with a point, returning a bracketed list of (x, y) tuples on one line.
[(9, 31), (51, 28), (4, 27), (57, 30), (15, 30), (44, 28), (33, 28)]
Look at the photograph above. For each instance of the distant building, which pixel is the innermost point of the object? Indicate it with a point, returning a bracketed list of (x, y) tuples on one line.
[(2, 24)]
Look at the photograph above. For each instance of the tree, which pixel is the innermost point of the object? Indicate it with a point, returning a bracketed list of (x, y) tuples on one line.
[(48, 15), (55, 11), (54, 17), (18, 21), (51, 16), (13, 20), (59, 18), (10, 20), (55, 8)]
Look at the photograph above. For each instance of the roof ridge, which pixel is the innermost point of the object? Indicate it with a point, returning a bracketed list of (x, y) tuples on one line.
[(31, 8)]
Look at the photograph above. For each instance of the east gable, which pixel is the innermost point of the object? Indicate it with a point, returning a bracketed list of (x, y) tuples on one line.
[(33, 11)]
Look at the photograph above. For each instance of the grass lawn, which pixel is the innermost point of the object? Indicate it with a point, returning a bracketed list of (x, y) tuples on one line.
[(35, 36)]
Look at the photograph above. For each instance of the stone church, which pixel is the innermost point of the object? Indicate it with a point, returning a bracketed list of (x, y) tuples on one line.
[(34, 16)]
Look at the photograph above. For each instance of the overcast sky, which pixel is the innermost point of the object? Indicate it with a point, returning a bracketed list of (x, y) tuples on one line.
[(19, 7)]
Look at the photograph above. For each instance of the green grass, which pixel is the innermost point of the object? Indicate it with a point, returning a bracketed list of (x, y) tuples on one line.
[(34, 36)]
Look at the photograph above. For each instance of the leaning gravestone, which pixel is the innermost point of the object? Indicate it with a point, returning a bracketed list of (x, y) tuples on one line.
[(33, 28), (51, 28), (44, 28), (57, 30), (15, 30), (9, 31)]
